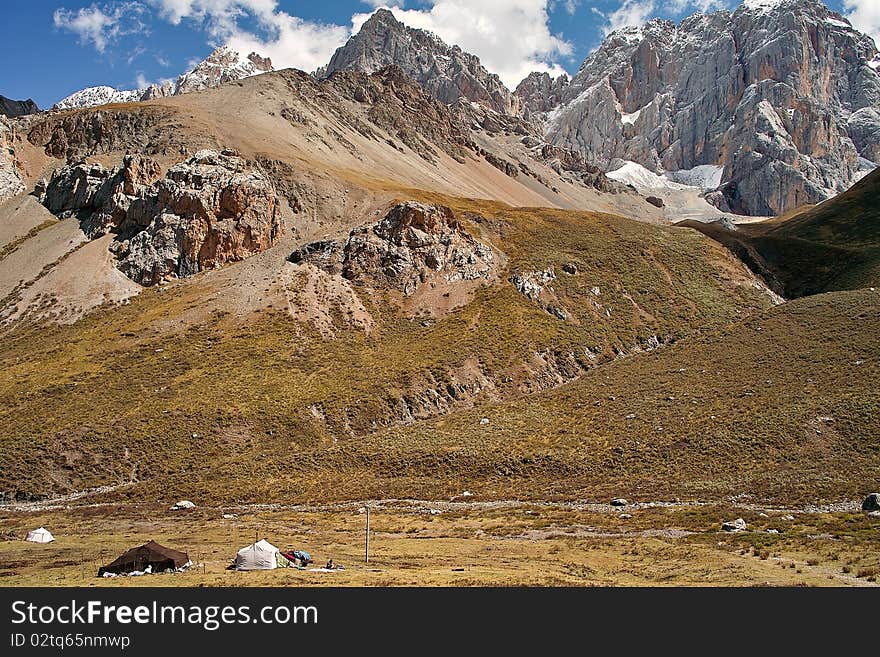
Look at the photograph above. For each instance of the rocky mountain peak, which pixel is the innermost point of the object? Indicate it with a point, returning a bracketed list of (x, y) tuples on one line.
[(221, 66), (780, 95), (13, 108), (446, 72)]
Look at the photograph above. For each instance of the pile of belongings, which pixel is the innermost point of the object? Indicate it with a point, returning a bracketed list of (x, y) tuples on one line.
[(41, 535), (147, 559), (261, 555), (299, 558)]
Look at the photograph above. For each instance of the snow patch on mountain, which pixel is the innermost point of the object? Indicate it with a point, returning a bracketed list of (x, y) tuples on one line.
[(102, 95), (631, 118), (222, 65), (762, 5), (704, 176), (632, 173)]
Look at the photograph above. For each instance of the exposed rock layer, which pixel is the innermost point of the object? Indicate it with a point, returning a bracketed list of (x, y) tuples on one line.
[(412, 245), (211, 209)]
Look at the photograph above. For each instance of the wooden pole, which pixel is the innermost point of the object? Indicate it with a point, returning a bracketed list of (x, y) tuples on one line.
[(367, 547)]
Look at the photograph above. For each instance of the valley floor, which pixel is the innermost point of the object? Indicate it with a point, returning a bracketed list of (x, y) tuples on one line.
[(460, 543)]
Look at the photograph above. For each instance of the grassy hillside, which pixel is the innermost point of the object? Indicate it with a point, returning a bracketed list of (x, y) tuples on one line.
[(833, 246), (260, 406)]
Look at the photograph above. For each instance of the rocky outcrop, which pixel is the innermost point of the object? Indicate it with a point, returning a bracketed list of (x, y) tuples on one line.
[(76, 136), (223, 65), (535, 286), (446, 72), (781, 94), (13, 108), (395, 104), (572, 165), (539, 93), (212, 209), (10, 179), (97, 196), (413, 245)]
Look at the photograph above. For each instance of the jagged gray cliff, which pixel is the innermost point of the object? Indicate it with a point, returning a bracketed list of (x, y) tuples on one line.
[(783, 94), (446, 72)]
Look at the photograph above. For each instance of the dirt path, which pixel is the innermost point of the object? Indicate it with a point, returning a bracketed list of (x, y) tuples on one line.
[(459, 504)]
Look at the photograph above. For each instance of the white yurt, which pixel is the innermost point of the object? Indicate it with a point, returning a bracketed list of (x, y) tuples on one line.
[(41, 535), (261, 555)]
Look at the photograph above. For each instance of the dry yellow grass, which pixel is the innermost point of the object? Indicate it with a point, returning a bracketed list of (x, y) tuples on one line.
[(520, 544)]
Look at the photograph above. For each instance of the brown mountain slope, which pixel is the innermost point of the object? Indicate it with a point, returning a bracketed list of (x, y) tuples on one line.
[(832, 246), (263, 360)]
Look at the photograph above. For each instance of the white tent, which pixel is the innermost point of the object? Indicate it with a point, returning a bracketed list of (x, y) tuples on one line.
[(41, 535), (261, 555)]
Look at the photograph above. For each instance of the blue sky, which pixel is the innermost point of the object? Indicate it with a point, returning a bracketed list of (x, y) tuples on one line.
[(51, 48)]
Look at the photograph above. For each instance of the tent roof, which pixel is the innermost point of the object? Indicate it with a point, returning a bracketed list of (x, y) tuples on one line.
[(42, 532), (260, 546), (147, 553)]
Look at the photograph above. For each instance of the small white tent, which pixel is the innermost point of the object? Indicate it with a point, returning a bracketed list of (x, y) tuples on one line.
[(41, 535), (262, 555)]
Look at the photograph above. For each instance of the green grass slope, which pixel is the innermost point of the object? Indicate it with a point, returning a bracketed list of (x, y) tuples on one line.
[(832, 246), (263, 407), (780, 407)]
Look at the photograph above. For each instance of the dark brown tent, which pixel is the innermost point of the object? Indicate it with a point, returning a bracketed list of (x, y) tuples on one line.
[(152, 554)]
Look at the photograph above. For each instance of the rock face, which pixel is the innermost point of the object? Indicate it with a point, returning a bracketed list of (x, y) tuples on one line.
[(539, 93), (10, 180), (397, 105), (212, 209), (13, 108), (222, 65), (448, 73), (75, 136), (781, 93), (95, 195), (413, 245)]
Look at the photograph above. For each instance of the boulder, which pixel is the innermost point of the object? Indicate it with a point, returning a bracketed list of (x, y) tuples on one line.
[(619, 501), (872, 502), (737, 525), (412, 246), (656, 201), (183, 505)]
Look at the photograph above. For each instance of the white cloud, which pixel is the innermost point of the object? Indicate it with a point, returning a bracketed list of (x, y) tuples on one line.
[(101, 25), (679, 7), (569, 6), (864, 16), (630, 13), (141, 81), (293, 42), (638, 12), (376, 4), (486, 28), (289, 41)]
